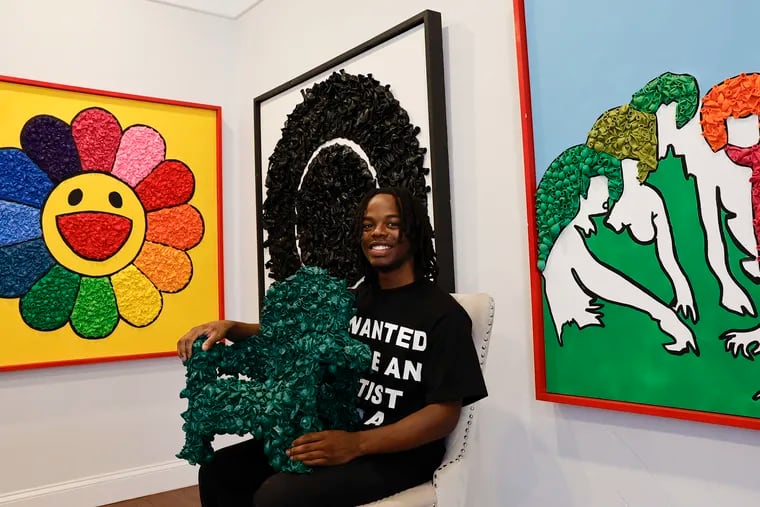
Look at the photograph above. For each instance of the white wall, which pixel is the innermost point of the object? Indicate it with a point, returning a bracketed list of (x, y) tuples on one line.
[(528, 453), (92, 434), (69, 424)]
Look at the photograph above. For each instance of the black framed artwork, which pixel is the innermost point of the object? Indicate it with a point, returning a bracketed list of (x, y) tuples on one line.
[(373, 116)]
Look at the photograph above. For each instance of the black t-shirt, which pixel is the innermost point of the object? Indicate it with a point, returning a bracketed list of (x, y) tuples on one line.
[(422, 353)]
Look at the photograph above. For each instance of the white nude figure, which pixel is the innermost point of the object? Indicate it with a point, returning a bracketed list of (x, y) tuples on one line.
[(641, 211), (730, 126), (573, 277), (743, 133), (720, 183), (631, 136)]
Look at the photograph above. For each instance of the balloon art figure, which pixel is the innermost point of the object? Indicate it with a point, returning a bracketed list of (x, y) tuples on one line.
[(298, 375)]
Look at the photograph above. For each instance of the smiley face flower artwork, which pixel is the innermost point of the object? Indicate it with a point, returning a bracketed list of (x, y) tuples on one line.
[(95, 223)]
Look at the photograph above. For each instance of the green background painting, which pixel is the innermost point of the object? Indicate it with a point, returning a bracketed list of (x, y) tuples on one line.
[(623, 360)]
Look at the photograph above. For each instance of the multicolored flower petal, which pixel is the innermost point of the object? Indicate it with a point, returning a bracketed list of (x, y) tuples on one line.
[(21, 265), (20, 223), (179, 227), (171, 183), (97, 135), (95, 314), (21, 180), (49, 303), (169, 269), (49, 143), (138, 300), (53, 294), (141, 150)]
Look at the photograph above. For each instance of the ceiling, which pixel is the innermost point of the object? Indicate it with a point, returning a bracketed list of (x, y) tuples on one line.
[(225, 8)]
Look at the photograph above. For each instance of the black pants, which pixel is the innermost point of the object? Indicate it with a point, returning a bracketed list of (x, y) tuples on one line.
[(240, 476)]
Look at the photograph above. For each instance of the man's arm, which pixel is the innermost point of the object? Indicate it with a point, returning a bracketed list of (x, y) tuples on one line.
[(334, 447), (241, 330)]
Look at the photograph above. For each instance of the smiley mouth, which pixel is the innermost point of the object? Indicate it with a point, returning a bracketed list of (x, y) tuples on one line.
[(94, 235)]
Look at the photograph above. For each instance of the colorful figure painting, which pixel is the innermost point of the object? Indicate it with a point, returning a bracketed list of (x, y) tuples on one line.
[(109, 213), (645, 211)]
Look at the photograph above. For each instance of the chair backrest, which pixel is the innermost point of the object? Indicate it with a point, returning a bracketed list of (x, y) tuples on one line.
[(480, 308)]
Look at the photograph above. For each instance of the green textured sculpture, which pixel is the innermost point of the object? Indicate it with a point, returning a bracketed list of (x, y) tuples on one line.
[(298, 375)]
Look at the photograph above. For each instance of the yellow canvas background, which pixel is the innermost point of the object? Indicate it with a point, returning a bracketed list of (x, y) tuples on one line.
[(191, 136)]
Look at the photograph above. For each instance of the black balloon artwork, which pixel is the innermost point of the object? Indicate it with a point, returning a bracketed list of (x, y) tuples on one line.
[(315, 179)]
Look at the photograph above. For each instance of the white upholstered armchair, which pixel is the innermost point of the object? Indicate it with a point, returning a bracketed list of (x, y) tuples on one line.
[(449, 481)]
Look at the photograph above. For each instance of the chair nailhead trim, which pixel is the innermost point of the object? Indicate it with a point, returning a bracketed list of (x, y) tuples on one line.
[(471, 415)]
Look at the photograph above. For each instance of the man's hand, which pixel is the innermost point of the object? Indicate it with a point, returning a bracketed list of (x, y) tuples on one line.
[(332, 447), (214, 332)]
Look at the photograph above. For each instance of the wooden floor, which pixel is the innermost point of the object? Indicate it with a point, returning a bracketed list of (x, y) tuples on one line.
[(185, 497)]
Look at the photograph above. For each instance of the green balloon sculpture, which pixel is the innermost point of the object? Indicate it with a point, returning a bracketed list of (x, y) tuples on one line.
[(298, 375)]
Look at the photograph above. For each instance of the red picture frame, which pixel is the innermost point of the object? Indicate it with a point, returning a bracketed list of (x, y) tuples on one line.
[(541, 392)]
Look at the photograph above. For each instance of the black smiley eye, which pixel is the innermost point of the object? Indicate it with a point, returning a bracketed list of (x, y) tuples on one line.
[(115, 199), (75, 197)]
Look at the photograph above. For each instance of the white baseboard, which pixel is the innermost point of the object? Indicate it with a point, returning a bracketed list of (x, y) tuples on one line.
[(106, 488)]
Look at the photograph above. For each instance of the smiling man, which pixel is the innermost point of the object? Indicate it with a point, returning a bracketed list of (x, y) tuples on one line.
[(424, 369)]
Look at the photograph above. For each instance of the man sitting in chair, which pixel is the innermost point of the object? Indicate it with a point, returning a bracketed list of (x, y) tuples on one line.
[(424, 369)]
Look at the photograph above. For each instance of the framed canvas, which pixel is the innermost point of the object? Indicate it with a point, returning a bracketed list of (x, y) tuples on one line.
[(373, 116), (110, 223), (641, 163)]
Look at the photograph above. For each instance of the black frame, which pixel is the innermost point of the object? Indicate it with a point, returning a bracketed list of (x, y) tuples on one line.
[(438, 149)]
